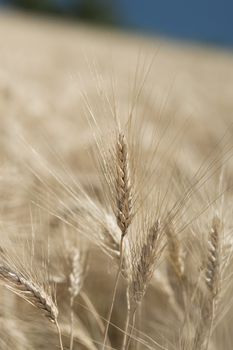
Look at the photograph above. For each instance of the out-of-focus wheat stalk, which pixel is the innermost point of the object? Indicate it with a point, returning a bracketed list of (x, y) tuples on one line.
[(144, 258), (212, 280), (123, 208), (32, 293), (76, 281)]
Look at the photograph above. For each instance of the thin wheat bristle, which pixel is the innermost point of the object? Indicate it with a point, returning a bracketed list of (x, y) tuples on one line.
[(123, 186), (110, 235), (29, 291)]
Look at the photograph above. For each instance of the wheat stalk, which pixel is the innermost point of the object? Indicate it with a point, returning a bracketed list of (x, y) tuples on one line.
[(76, 281), (176, 269), (212, 282), (141, 269), (213, 261), (32, 293), (123, 208), (77, 273), (144, 262), (175, 252)]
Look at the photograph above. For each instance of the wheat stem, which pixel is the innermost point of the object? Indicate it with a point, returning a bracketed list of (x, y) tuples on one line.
[(59, 335), (132, 329), (212, 280), (114, 294), (123, 210), (32, 293), (124, 342), (92, 309), (76, 282), (71, 323)]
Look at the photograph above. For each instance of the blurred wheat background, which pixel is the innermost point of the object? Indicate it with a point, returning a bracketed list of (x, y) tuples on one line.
[(86, 114)]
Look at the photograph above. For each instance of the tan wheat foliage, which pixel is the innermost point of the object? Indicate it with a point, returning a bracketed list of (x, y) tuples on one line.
[(106, 158)]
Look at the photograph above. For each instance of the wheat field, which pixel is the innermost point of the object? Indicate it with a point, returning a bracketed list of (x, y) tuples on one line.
[(116, 190)]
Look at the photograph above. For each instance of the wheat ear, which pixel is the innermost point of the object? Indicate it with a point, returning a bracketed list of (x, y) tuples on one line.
[(76, 282), (175, 269), (212, 269), (175, 253), (123, 209), (143, 266), (123, 186), (212, 281), (32, 293)]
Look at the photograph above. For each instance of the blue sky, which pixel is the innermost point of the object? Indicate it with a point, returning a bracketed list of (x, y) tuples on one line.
[(208, 21), (204, 20)]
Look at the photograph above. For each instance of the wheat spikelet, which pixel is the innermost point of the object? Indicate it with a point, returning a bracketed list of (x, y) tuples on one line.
[(175, 252), (140, 271), (77, 274), (175, 267), (76, 281), (212, 269), (29, 291), (144, 262), (123, 186), (212, 281)]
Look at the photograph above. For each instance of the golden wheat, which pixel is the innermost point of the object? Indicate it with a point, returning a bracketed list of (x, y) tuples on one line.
[(120, 175)]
